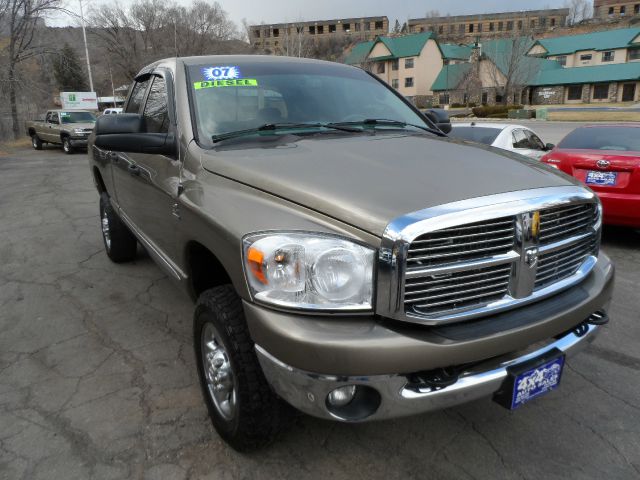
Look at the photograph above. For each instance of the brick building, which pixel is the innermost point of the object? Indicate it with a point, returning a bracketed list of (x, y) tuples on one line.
[(615, 8), (491, 24), (272, 38)]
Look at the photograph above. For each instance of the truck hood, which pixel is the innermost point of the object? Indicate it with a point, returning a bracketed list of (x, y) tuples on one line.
[(367, 181), (71, 126)]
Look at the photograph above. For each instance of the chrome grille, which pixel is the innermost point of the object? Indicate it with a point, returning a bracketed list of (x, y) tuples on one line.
[(563, 222), (442, 292), (462, 243), (564, 262), (470, 258)]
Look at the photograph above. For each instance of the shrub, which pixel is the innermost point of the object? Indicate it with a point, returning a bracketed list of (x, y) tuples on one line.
[(488, 110), (498, 115)]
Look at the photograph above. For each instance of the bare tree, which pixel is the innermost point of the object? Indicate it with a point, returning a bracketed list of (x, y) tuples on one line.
[(23, 18), (296, 42), (579, 10), (506, 63)]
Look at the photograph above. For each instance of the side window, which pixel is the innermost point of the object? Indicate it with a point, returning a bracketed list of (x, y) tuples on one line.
[(137, 96), (534, 141), (55, 119), (155, 111), (48, 117), (520, 140)]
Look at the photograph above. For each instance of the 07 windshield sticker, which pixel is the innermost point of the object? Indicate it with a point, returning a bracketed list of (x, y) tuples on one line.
[(221, 73), (238, 82)]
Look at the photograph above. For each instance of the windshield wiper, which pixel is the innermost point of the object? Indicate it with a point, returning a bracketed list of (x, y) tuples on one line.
[(271, 127), (383, 122)]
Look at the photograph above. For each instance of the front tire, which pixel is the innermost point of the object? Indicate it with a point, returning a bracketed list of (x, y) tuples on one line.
[(66, 145), (244, 410), (120, 244), (36, 142)]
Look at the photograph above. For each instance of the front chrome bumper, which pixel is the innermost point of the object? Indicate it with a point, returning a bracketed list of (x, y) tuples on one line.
[(308, 391)]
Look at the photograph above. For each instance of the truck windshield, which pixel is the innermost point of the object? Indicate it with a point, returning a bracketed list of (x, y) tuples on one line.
[(77, 117), (246, 96)]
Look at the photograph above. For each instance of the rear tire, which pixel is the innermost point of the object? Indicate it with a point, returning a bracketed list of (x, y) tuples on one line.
[(120, 244), (36, 142), (66, 145), (244, 410)]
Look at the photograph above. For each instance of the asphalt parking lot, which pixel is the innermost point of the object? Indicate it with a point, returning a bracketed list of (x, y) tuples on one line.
[(97, 375)]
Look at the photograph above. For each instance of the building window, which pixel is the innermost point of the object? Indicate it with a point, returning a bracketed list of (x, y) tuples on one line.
[(276, 32), (500, 26), (562, 60), (510, 25), (346, 27), (553, 22), (408, 63), (381, 67), (332, 29), (267, 33), (461, 28), (312, 30), (491, 27), (485, 98), (601, 91), (499, 98), (367, 26), (444, 99), (623, 10), (634, 54), (452, 28), (636, 8), (395, 65), (358, 27), (320, 29), (256, 33), (379, 25), (395, 83), (479, 27), (519, 24), (471, 28), (608, 56), (441, 29), (465, 98), (543, 22), (586, 57), (532, 24), (408, 82), (611, 10), (574, 92)]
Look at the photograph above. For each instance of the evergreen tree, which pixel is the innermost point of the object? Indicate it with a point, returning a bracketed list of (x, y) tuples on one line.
[(67, 70)]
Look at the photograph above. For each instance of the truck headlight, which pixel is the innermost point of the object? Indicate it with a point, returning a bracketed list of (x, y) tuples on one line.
[(309, 271), (78, 131)]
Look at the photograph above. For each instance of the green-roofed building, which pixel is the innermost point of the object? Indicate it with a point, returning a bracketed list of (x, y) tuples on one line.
[(409, 63)]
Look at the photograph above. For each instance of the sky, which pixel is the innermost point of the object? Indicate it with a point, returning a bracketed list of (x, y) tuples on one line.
[(275, 11)]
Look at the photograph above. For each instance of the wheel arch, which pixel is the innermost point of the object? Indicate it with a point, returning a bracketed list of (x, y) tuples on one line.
[(204, 269), (98, 181)]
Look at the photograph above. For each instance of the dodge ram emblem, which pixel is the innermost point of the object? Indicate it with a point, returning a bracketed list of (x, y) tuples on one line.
[(531, 257)]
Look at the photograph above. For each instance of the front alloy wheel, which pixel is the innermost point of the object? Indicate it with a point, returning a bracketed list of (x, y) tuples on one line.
[(218, 372), (66, 146)]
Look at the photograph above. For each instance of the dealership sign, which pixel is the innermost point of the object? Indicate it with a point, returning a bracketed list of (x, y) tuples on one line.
[(79, 100)]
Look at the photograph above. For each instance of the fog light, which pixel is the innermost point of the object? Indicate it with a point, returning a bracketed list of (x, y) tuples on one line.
[(341, 396)]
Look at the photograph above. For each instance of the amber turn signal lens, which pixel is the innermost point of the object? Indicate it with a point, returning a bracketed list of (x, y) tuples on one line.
[(255, 260)]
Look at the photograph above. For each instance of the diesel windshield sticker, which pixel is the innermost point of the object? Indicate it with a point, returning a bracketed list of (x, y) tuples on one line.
[(240, 82), (220, 73)]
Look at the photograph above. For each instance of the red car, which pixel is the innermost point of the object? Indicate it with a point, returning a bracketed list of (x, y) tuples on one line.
[(607, 159)]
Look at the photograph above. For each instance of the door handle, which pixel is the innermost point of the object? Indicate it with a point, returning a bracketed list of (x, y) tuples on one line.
[(133, 169), (114, 157)]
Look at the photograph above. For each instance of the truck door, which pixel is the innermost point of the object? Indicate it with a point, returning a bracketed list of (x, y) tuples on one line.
[(123, 195), (153, 188), (52, 128)]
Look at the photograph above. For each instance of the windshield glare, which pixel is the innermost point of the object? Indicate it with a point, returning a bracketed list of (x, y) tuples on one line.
[(295, 93), (77, 117), (485, 135), (603, 138)]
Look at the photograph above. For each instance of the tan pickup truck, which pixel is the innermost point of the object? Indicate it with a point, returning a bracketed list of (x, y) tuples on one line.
[(69, 128)]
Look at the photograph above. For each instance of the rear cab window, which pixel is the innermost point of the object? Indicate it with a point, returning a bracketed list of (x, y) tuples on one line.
[(484, 135), (618, 138), (137, 96), (155, 110)]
